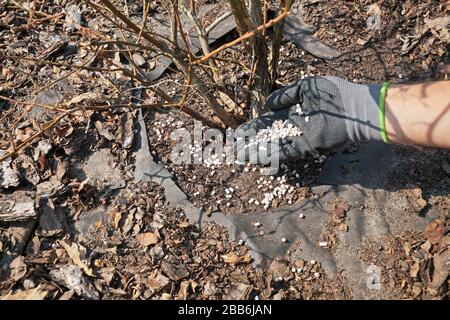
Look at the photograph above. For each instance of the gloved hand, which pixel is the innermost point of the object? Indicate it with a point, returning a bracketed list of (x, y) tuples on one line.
[(329, 110)]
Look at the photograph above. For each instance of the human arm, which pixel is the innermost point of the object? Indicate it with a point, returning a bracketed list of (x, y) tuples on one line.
[(419, 114)]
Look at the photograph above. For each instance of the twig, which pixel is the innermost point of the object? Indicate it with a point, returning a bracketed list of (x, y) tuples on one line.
[(217, 21), (59, 64), (246, 36), (35, 104), (30, 139), (144, 19), (276, 45)]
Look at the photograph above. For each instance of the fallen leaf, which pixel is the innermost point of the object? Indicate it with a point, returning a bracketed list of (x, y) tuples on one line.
[(78, 255), (72, 277), (139, 60), (414, 270), (240, 291), (73, 18), (209, 289), (175, 271), (86, 97), (441, 269), (438, 23), (184, 224), (183, 292), (125, 134), (157, 281), (18, 268), (104, 132), (233, 259), (32, 294), (27, 169), (166, 296), (280, 270), (67, 295), (147, 239), (117, 216), (435, 231)]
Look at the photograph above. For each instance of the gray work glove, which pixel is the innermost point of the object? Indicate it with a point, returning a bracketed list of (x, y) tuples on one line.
[(335, 112)]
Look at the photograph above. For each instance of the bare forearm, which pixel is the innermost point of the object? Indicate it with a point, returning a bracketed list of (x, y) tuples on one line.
[(419, 114)]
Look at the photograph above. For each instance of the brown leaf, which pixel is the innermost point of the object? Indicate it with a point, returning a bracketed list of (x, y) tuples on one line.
[(166, 296), (175, 271), (139, 60), (104, 132), (32, 294), (157, 281), (184, 224), (441, 269), (339, 208), (183, 292), (116, 215), (280, 270), (61, 169), (27, 169), (148, 238), (64, 131), (18, 268), (86, 97), (126, 133), (78, 255), (45, 257), (414, 270), (438, 23), (209, 289), (435, 231), (240, 291), (233, 259)]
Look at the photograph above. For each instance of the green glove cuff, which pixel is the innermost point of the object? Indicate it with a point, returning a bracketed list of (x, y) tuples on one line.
[(382, 112)]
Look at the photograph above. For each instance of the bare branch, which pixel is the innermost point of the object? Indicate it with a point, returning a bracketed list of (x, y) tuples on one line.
[(246, 36)]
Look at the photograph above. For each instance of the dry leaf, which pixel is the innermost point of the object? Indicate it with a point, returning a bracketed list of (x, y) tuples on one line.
[(234, 259), (281, 270), (183, 292), (18, 268), (157, 281), (72, 277), (104, 132), (166, 296), (78, 255), (184, 224), (125, 134), (116, 216), (414, 270), (148, 238), (435, 231), (240, 291), (438, 23), (32, 294), (441, 269), (139, 60), (88, 97)]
